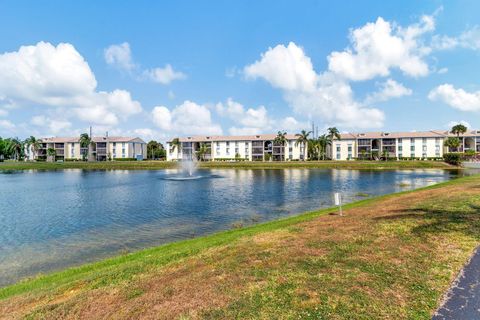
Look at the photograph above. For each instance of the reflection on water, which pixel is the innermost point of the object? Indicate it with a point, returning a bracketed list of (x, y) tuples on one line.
[(54, 219)]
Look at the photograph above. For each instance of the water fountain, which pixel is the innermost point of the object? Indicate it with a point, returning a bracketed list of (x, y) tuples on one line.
[(189, 167)]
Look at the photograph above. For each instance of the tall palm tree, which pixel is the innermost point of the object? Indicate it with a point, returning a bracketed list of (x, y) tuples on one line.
[(323, 141), (458, 129), (280, 139), (175, 144), (302, 139), (85, 142), (333, 133), (33, 143)]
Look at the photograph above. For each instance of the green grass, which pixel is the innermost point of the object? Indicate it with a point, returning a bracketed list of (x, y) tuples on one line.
[(157, 165), (388, 264)]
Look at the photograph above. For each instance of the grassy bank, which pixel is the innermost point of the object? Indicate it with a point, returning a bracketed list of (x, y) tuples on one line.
[(156, 165), (390, 257)]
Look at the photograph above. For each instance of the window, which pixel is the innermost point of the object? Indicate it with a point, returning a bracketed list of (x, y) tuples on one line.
[(236, 144), (228, 143), (338, 148), (412, 155), (424, 155), (349, 148), (424, 148), (412, 148), (218, 150), (400, 155), (424, 140), (228, 150), (400, 148), (412, 140), (338, 156), (400, 140), (236, 150), (437, 140)]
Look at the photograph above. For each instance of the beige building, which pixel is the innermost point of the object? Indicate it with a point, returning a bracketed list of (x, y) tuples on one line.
[(400, 145), (251, 148), (102, 148)]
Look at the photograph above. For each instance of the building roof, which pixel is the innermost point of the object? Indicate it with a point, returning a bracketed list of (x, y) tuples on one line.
[(234, 138), (413, 134), (95, 139)]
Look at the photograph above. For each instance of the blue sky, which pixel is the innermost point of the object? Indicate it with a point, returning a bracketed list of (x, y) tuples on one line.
[(175, 68)]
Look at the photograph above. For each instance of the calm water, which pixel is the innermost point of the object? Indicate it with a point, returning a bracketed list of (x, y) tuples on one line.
[(53, 219)]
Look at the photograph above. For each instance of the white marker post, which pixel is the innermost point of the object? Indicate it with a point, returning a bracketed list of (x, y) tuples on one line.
[(338, 202)]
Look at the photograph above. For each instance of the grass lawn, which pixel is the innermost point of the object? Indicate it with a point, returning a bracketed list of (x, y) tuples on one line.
[(156, 165), (390, 257)]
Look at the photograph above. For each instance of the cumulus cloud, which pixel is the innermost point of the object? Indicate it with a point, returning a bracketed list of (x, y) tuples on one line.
[(325, 95), (58, 76), (164, 75), (188, 118), (388, 90), (456, 98), (254, 120), (284, 67), (378, 47), (3, 113), (120, 56)]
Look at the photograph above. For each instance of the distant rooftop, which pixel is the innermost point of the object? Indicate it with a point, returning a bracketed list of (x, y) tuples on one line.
[(413, 134), (234, 138), (94, 139)]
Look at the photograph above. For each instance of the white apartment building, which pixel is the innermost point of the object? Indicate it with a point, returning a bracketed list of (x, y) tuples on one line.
[(400, 145), (251, 148), (102, 148)]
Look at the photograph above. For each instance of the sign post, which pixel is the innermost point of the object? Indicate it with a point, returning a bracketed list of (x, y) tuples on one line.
[(338, 202)]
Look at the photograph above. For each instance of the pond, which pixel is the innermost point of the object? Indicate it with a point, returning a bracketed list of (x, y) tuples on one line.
[(54, 219)]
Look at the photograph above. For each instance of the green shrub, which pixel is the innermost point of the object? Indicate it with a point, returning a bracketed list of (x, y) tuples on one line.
[(125, 159), (453, 158)]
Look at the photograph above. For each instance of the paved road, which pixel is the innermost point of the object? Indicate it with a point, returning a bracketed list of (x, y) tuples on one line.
[(463, 298)]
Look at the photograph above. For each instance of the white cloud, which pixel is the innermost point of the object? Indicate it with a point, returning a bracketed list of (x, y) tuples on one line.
[(164, 75), (251, 117), (380, 46), (3, 113), (53, 126), (469, 39), (388, 90), (456, 98), (442, 70), (58, 76), (286, 68), (255, 120), (325, 96), (187, 118), (453, 123), (7, 125), (120, 56)]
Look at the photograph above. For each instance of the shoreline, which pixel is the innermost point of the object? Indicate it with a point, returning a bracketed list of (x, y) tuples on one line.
[(163, 165)]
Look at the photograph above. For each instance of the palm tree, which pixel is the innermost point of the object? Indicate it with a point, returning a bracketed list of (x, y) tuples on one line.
[(333, 133), (15, 147), (302, 140), (280, 139), (51, 153), (35, 144), (175, 144), (313, 149), (85, 143), (452, 143), (458, 129), (323, 141)]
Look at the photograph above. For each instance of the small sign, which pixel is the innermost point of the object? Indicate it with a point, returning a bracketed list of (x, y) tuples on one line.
[(337, 199), (338, 202)]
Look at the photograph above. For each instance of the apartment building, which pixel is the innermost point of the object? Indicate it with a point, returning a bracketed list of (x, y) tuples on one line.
[(251, 148), (101, 149), (400, 145)]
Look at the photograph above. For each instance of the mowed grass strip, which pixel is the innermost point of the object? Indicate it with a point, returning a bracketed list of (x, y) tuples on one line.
[(390, 257), (159, 165)]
